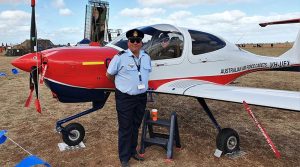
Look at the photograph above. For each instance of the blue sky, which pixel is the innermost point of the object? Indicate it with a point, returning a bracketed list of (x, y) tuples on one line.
[(62, 21)]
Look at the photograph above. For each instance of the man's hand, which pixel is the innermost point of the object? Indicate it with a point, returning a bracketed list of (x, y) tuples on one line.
[(110, 77)]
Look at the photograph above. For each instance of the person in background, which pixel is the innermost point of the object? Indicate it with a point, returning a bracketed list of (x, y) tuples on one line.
[(130, 70), (98, 25), (164, 49)]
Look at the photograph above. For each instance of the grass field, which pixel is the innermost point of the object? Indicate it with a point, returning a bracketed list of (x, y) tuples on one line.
[(35, 132)]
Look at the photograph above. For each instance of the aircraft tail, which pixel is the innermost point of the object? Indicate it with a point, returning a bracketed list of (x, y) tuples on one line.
[(293, 55)]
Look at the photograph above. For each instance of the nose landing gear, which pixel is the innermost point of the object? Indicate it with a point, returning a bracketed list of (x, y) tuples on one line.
[(73, 134)]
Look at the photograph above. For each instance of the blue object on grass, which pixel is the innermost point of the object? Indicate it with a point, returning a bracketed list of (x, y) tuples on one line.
[(14, 71), (2, 74), (32, 160), (2, 136)]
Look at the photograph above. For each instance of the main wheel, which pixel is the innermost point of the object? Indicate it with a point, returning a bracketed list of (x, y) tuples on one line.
[(228, 140), (73, 134)]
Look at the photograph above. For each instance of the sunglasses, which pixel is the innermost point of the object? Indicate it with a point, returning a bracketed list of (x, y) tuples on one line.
[(165, 39), (137, 40)]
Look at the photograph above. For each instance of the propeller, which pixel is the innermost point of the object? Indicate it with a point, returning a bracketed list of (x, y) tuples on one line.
[(33, 29), (35, 78), (34, 74), (33, 85)]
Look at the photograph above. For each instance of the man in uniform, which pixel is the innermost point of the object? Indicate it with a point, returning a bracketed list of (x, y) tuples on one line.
[(129, 70)]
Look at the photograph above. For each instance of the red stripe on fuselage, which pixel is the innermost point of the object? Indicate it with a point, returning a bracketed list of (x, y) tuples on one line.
[(218, 79), (154, 84)]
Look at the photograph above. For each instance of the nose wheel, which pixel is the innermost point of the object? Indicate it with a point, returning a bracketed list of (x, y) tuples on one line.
[(228, 141), (73, 134)]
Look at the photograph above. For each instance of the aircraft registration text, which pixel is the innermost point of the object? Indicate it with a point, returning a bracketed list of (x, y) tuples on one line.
[(276, 64)]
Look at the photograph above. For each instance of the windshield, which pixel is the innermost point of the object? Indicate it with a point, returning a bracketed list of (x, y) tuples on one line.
[(161, 41)]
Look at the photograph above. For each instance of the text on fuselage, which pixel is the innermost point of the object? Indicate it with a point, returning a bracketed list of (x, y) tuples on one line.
[(275, 64)]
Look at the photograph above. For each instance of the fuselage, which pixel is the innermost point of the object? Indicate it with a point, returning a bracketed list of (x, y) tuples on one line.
[(77, 74)]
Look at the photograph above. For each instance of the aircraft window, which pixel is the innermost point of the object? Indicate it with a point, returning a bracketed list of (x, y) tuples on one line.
[(203, 42)]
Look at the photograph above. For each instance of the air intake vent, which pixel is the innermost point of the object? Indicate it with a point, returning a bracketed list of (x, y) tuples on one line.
[(184, 84)]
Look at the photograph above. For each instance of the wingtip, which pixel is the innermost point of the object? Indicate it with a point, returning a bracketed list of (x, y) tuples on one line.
[(263, 24)]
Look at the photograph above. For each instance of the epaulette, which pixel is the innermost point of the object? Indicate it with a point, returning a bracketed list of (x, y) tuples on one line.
[(146, 52), (121, 52)]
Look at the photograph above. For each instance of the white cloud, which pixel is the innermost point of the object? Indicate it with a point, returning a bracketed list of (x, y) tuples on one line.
[(180, 15), (65, 12), (12, 15), (13, 1), (142, 12), (230, 17), (232, 25), (64, 35), (173, 2), (62, 10), (69, 30), (14, 24), (185, 3), (59, 3)]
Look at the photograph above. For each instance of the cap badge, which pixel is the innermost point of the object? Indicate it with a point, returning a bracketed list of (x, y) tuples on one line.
[(135, 34)]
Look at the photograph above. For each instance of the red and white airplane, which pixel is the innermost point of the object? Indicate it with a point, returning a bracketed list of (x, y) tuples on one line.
[(201, 65)]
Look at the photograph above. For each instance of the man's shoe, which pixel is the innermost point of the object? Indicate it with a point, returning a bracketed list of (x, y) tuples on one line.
[(125, 164), (138, 157)]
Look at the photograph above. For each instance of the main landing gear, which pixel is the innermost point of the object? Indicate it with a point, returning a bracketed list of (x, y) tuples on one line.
[(228, 140), (74, 133)]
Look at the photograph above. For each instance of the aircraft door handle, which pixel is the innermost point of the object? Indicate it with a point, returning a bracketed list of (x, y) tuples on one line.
[(159, 64), (203, 60)]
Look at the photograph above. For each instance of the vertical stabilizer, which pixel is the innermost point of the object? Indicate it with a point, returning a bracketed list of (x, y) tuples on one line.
[(294, 53)]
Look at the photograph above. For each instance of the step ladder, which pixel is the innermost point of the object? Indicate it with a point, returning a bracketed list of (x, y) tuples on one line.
[(149, 137)]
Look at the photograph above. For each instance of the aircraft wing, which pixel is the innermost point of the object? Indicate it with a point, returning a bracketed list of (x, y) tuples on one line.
[(263, 97)]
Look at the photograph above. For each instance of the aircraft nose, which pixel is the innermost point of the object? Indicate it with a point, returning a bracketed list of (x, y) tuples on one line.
[(27, 61)]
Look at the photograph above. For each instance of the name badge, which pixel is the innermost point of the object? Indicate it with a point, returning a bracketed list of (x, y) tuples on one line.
[(141, 86)]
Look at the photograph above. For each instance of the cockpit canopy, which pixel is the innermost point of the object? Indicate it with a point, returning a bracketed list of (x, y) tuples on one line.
[(164, 41), (161, 41)]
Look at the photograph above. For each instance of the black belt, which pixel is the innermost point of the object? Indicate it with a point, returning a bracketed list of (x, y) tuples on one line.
[(141, 94)]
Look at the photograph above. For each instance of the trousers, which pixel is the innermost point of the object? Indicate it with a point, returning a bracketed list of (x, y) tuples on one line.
[(130, 109)]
